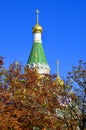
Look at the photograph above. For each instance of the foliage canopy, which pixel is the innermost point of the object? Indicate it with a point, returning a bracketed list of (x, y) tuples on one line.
[(31, 101)]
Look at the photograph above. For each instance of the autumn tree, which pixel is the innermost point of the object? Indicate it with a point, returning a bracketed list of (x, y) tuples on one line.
[(30, 101), (78, 78)]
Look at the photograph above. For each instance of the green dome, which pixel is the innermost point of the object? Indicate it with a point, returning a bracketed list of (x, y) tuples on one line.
[(37, 54)]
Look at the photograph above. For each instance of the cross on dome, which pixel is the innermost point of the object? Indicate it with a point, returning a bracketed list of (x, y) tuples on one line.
[(37, 16), (37, 28)]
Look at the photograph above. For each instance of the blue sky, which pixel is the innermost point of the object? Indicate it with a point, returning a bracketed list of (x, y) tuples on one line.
[(64, 31)]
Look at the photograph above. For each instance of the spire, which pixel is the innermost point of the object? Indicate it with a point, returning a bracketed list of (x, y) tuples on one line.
[(57, 67), (61, 82), (37, 56)]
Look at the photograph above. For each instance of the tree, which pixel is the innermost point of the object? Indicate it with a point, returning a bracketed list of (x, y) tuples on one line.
[(78, 77), (32, 101)]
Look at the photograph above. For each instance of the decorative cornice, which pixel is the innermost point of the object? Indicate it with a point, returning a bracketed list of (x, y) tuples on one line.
[(39, 65), (41, 68)]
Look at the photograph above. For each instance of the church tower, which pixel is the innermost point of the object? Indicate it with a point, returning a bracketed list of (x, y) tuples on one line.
[(37, 56)]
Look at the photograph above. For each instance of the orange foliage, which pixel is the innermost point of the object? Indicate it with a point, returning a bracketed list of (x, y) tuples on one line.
[(28, 99)]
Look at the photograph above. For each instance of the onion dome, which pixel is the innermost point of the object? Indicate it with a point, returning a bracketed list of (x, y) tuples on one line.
[(60, 81), (37, 28)]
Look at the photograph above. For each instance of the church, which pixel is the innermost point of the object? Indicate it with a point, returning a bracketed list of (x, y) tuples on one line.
[(37, 58)]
